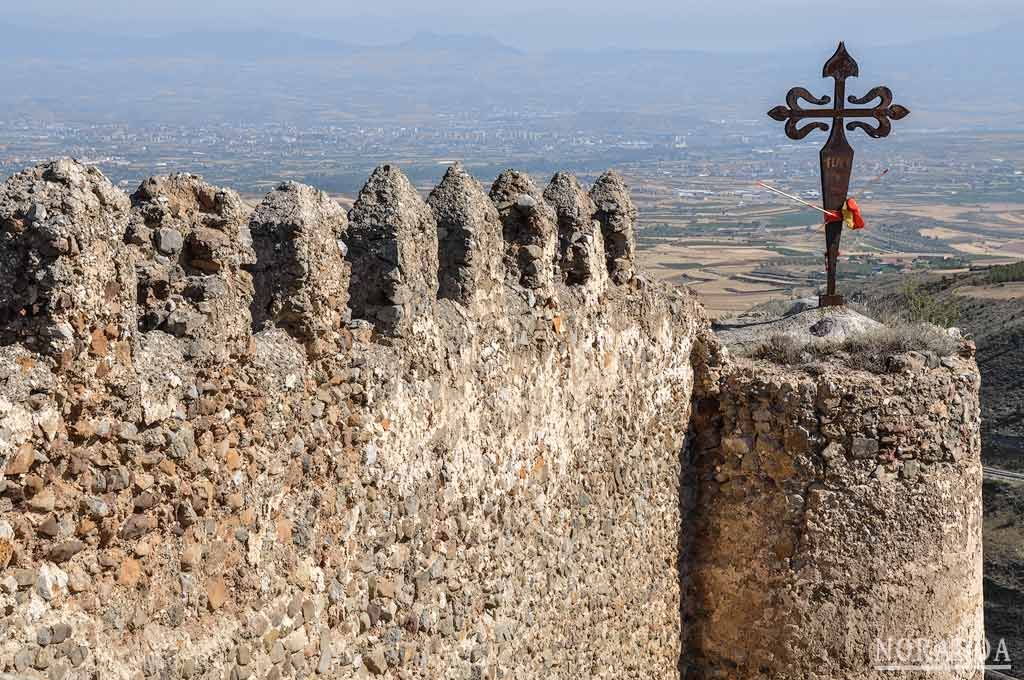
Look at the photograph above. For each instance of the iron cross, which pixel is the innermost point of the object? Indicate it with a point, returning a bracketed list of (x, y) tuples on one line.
[(837, 154)]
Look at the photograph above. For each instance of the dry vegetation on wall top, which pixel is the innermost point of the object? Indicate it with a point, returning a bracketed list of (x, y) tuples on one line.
[(872, 333), (457, 437), (877, 350)]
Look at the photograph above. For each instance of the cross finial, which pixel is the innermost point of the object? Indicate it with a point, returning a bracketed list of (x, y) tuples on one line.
[(837, 154), (840, 65)]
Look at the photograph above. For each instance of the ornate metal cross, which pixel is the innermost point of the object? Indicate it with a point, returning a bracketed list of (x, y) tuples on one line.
[(837, 154)]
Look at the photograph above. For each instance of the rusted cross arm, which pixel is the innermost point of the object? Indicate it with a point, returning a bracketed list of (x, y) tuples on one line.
[(884, 112), (882, 115), (895, 112)]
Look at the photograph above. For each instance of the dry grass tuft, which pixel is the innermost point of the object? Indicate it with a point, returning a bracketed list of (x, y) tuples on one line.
[(868, 351)]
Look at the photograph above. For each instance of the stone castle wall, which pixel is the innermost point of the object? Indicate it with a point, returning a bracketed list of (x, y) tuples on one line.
[(452, 437), (425, 439)]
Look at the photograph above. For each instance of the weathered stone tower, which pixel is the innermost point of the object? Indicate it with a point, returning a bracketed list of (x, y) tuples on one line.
[(838, 522)]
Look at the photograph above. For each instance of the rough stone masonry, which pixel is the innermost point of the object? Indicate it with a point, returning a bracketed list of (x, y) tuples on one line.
[(458, 437), (837, 526)]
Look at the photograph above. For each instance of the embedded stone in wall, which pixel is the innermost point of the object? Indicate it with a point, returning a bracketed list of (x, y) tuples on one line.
[(580, 242), (617, 215), (23, 414), (529, 229), (469, 239), (66, 280), (392, 247), (193, 244), (301, 276)]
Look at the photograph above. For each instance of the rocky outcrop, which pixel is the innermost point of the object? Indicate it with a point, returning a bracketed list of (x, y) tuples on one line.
[(301, 276), (617, 215)]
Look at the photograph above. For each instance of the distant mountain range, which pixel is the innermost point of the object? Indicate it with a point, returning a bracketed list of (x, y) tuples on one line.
[(21, 42), (949, 82)]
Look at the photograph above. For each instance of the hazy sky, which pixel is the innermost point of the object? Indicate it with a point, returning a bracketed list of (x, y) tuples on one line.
[(536, 24)]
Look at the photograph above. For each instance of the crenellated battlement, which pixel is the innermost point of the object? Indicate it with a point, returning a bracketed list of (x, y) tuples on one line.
[(189, 259)]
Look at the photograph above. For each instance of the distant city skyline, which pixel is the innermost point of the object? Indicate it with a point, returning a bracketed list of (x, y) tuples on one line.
[(535, 25)]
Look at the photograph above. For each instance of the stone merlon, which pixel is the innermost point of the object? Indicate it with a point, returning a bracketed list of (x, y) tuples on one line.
[(470, 242), (530, 231), (301, 275), (392, 247), (66, 279), (192, 248), (617, 215), (581, 255)]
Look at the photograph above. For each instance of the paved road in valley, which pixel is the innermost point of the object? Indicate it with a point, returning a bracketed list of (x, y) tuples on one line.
[(1002, 475)]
